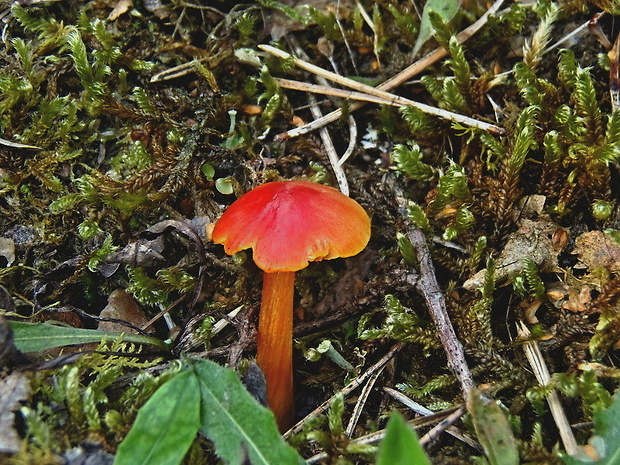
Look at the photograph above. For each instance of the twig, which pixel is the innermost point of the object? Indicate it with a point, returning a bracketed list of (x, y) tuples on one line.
[(373, 27), (347, 389), (387, 96), (399, 78), (441, 427), (361, 401), (421, 410), (328, 144), (573, 33), (18, 145), (344, 38), (330, 149), (537, 362), (373, 438), (352, 142), (427, 285), (397, 101)]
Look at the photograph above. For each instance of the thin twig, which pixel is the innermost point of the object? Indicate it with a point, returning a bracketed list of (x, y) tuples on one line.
[(441, 427), (328, 144), (330, 149), (368, 20), (399, 78), (347, 389), (537, 362), (344, 38), (421, 410), (427, 285), (573, 33), (364, 88), (397, 101), (361, 401), (18, 145), (352, 142), (449, 415)]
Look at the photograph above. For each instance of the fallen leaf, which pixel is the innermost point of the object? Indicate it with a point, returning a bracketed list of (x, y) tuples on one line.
[(122, 306), (597, 250), (122, 6), (7, 250), (578, 300), (139, 253), (532, 240), (13, 389)]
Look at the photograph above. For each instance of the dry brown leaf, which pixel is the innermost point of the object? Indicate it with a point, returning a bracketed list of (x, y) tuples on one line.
[(7, 250), (13, 389), (578, 300), (597, 250), (122, 6), (533, 240), (121, 306)]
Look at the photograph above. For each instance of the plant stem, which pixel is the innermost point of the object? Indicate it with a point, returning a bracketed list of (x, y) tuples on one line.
[(275, 343)]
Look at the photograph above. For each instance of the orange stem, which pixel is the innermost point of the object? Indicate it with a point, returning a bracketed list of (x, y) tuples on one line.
[(274, 353)]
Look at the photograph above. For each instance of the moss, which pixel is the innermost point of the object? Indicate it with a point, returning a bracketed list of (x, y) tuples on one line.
[(157, 116)]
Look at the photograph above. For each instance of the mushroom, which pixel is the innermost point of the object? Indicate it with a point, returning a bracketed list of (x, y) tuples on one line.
[(288, 224)]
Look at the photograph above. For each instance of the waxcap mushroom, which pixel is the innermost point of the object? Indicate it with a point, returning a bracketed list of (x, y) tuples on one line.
[(291, 223), (288, 224)]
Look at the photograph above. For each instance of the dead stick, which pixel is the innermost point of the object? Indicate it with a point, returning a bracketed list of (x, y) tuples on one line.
[(427, 285)]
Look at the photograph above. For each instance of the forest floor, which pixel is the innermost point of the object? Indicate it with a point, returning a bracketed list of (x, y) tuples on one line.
[(127, 128)]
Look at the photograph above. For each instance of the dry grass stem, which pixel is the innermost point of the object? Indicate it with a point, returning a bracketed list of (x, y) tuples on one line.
[(395, 81), (386, 96), (421, 410), (361, 401), (537, 362), (442, 426), (347, 389), (328, 144)]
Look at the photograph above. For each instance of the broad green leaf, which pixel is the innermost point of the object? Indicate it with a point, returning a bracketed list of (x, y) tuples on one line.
[(224, 186), (236, 423), (400, 445), (444, 8), (493, 430), (33, 337), (165, 426), (208, 170), (605, 443)]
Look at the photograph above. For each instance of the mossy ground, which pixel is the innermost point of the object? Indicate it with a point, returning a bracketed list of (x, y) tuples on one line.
[(116, 152)]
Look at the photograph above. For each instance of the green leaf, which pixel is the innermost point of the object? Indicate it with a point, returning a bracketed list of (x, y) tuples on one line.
[(208, 171), (224, 186), (493, 430), (33, 337), (165, 426), (400, 445), (606, 438), (236, 423), (444, 8)]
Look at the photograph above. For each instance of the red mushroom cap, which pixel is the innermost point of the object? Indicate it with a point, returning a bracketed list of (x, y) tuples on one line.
[(291, 223)]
